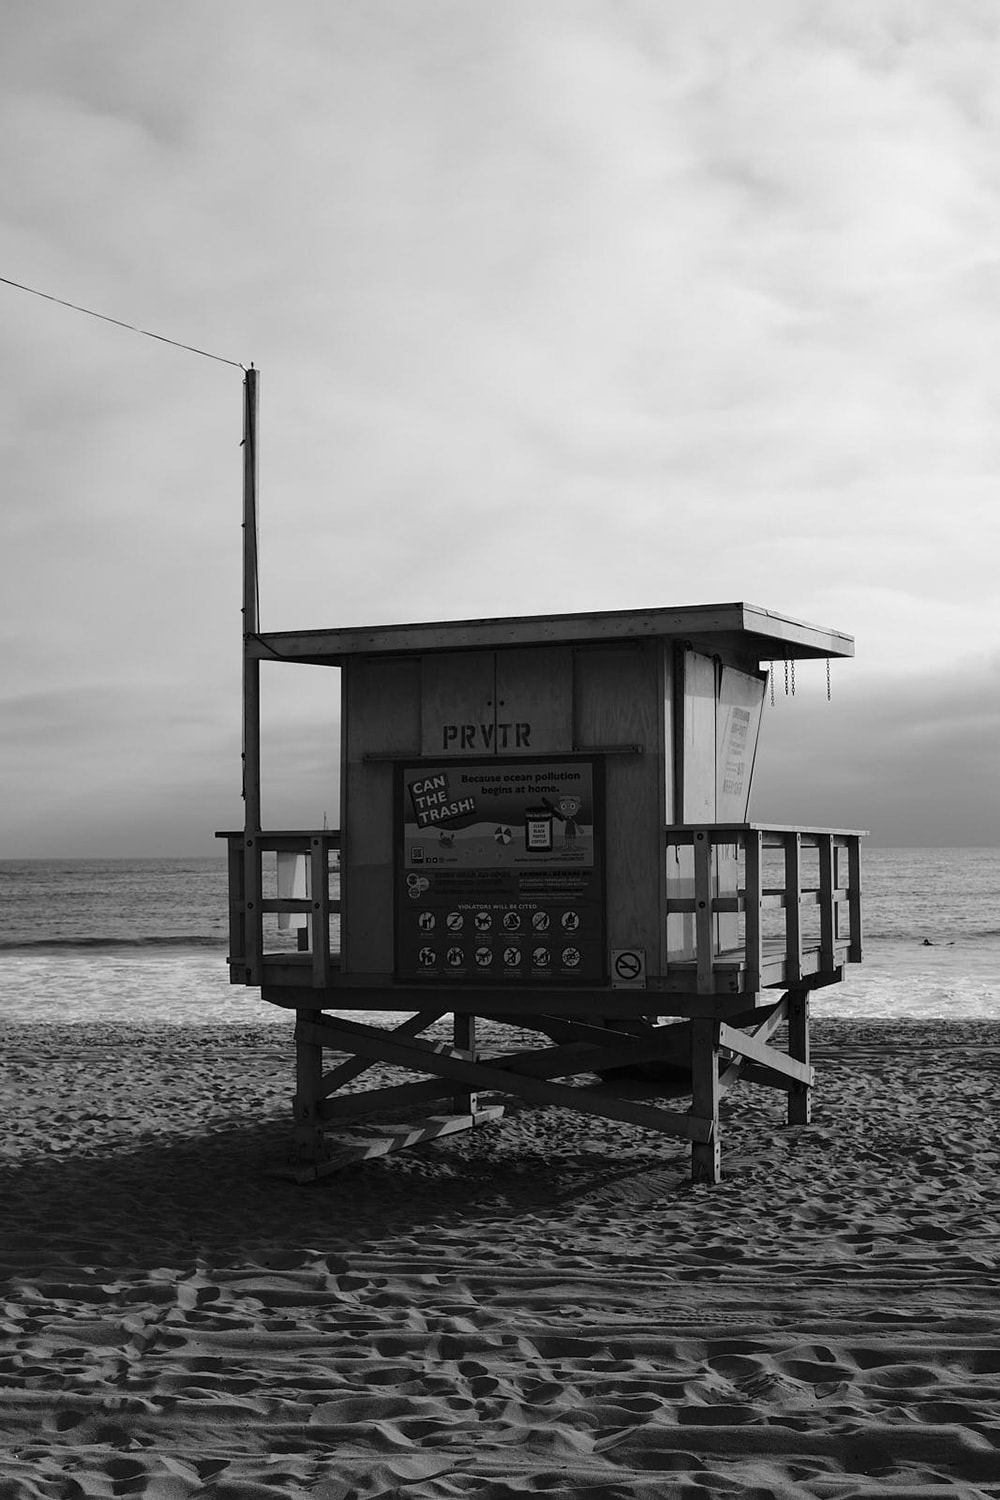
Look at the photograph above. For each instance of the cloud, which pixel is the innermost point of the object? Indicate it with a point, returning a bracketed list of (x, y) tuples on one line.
[(582, 305)]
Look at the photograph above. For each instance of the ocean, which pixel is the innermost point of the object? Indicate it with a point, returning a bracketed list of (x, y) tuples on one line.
[(144, 942)]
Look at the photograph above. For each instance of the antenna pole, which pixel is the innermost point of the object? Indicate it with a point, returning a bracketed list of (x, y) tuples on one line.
[(251, 664)]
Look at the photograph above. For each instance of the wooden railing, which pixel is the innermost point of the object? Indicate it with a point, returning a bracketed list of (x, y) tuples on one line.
[(253, 895), (723, 877), (724, 880)]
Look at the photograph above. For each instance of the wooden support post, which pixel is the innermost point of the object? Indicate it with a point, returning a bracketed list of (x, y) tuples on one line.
[(854, 899), (253, 930), (319, 921), (793, 906), (465, 1041), (703, 921), (706, 1156), (799, 1095), (524, 1074), (827, 908), (309, 1141), (752, 906)]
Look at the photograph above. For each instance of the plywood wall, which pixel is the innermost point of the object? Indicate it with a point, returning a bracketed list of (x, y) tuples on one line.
[(618, 703), (381, 719)]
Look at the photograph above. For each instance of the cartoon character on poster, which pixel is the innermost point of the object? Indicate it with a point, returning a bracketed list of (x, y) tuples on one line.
[(565, 808)]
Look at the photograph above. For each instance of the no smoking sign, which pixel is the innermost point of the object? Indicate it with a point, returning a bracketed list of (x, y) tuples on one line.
[(628, 968)]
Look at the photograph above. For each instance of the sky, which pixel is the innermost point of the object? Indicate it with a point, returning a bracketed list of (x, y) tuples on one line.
[(557, 305)]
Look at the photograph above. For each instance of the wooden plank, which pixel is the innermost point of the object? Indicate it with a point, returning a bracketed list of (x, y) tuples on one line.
[(793, 911), (237, 900), (799, 1098), (392, 1096), (613, 1049), (319, 886), (736, 621), (678, 833), (348, 1071), (308, 1133), (441, 1060), (757, 1051), (534, 689), (769, 901), (767, 1026), (827, 913), (458, 704), (286, 985), (287, 839), (565, 1029), (253, 909), (619, 1051), (381, 713), (616, 701), (464, 1033), (704, 927), (755, 1018), (854, 901), (769, 1023), (753, 933)]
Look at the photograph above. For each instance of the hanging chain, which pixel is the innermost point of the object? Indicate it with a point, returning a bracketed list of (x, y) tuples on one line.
[(770, 678), (793, 676), (828, 679), (786, 676)]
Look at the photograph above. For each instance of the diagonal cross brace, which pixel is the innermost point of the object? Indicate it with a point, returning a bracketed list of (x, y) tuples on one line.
[(350, 1070), (753, 1050), (591, 1050), (508, 1074)]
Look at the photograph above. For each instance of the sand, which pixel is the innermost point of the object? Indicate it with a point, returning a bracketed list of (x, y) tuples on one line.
[(544, 1307)]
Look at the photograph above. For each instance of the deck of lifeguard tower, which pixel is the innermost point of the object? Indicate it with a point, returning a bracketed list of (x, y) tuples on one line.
[(544, 824)]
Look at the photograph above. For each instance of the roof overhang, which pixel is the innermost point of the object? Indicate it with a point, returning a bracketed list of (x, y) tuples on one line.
[(768, 635)]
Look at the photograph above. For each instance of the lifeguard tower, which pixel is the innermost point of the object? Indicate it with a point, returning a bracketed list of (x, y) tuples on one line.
[(544, 824)]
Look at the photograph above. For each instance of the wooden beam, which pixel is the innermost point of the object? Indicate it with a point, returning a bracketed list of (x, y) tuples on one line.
[(793, 906), (753, 936), (768, 1025), (769, 634), (706, 1154), (447, 1063), (854, 901), (613, 1049), (799, 1097), (251, 665), (758, 1052), (827, 899), (319, 924), (567, 1029), (309, 1144), (704, 926), (393, 1096), (464, 1033), (347, 1071)]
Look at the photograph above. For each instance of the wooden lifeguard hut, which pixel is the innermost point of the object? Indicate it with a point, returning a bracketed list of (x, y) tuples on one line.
[(544, 824)]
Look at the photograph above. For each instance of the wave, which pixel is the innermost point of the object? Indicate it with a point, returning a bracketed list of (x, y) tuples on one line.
[(89, 944)]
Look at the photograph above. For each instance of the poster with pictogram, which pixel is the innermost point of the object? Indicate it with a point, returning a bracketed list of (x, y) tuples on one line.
[(500, 871)]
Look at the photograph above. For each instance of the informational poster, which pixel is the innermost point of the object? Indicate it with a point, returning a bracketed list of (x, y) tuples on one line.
[(500, 871), (741, 703)]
